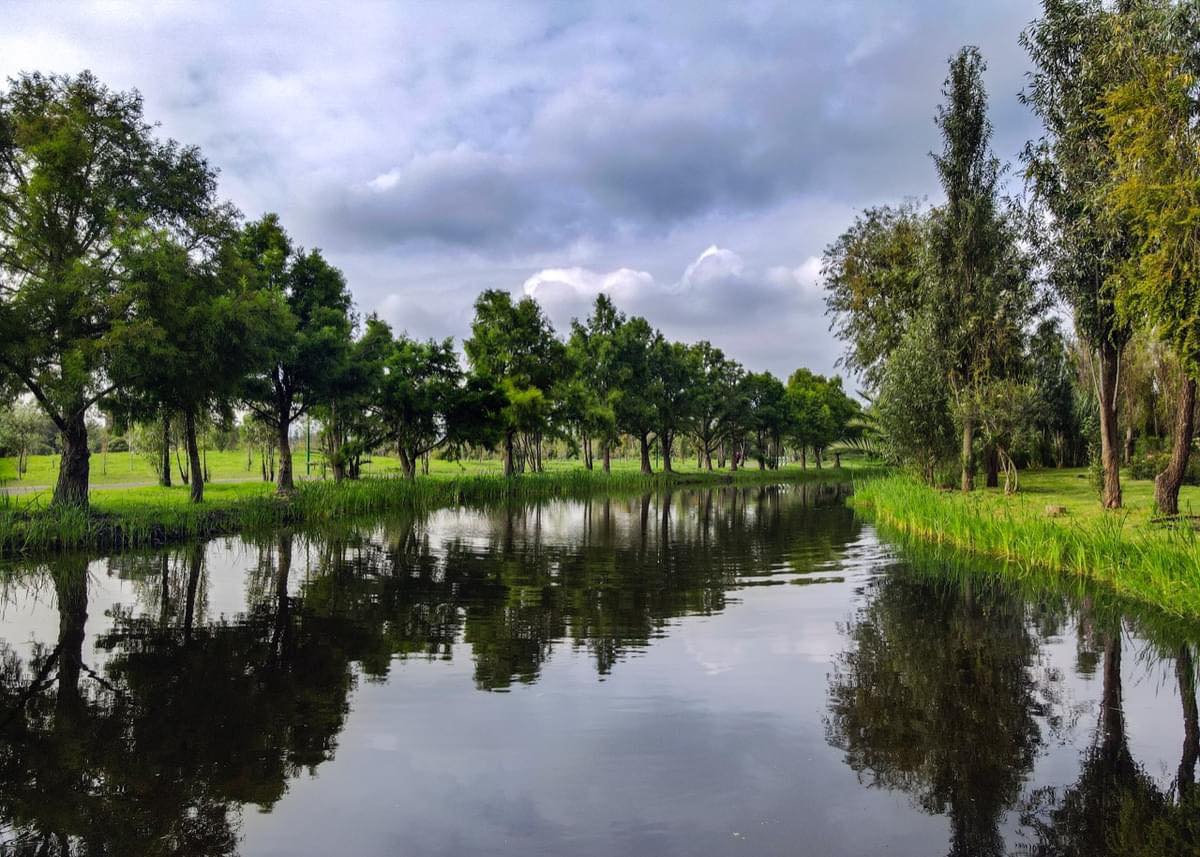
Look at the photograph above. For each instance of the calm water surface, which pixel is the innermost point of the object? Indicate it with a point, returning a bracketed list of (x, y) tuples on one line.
[(731, 671)]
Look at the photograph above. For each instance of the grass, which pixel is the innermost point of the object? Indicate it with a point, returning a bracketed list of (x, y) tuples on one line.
[(150, 515), (1154, 564)]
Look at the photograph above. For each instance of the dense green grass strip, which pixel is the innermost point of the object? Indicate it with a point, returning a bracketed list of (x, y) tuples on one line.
[(1157, 565), (146, 517)]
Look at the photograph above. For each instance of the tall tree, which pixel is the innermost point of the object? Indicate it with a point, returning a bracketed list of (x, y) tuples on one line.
[(1154, 137), (1069, 169), (312, 345), (79, 169), (976, 283)]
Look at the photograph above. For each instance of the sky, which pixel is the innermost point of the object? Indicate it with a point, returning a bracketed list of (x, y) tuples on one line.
[(691, 159)]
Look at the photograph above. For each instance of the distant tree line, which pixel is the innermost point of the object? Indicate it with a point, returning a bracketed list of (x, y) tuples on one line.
[(950, 312), (128, 286)]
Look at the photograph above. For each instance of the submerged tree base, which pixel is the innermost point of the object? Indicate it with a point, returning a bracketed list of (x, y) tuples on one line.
[(1155, 564), (151, 523)]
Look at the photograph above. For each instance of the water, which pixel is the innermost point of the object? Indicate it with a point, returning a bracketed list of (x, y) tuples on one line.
[(738, 671)]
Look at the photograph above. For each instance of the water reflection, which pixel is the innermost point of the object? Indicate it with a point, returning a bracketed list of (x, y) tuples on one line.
[(943, 694), (148, 700)]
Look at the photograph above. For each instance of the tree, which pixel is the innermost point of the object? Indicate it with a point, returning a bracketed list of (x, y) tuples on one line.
[(978, 298), (676, 374), (717, 380), (80, 170), (913, 405), (22, 428), (513, 348), (421, 393), (1069, 170), (310, 344), (595, 376), (1055, 409), (1151, 118), (349, 429), (767, 416), (196, 329), (634, 404), (875, 280)]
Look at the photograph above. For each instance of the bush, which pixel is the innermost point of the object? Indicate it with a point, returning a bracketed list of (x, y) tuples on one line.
[(1150, 464)]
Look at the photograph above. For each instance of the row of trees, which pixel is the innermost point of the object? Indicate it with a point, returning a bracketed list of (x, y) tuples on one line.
[(128, 285), (948, 311)]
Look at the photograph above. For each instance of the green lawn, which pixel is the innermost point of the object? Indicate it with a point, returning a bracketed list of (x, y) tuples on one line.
[(1071, 488)]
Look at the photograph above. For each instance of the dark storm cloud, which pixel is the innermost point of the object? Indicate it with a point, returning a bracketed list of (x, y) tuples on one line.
[(436, 150)]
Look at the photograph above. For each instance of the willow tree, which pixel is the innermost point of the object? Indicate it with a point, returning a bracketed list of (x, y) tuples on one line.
[(1069, 170), (979, 296), (80, 170), (1155, 142)]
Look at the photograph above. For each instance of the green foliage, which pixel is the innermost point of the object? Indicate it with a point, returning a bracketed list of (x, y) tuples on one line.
[(913, 405), (875, 283), (81, 176)]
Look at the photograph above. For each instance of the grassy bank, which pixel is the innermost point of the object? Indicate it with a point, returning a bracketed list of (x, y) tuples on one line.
[(1055, 525), (146, 516)]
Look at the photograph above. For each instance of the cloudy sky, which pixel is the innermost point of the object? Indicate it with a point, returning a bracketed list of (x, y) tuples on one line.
[(693, 159)]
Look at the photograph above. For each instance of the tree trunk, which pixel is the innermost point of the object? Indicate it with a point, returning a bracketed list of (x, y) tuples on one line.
[(992, 465), (968, 455), (607, 457), (837, 460), (707, 458), (1186, 675), (667, 440), (193, 451), (283, 476), (1127, 450), (164, 478), (645, 444), (508, 453), (338, 466), (803, 457), (1167, 483), (733, 459), (72, 486), (1110, 357), (407, 466)]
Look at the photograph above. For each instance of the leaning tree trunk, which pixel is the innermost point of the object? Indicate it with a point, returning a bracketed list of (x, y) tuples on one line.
[(164, 478), (1167, 483), (193, 450), (1110, 358), (284, 484), (645, 444), (967, 454), (72, 486)]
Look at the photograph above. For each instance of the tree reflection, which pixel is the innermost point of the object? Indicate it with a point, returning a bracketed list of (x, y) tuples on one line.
[(188, 716), (934, 698)]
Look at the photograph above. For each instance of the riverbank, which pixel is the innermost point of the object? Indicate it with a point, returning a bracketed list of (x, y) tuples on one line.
[(152, 516), (1054, 526)]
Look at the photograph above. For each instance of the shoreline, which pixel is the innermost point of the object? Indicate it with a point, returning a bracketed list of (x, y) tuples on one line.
[(119, 524), (1154, 565)]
